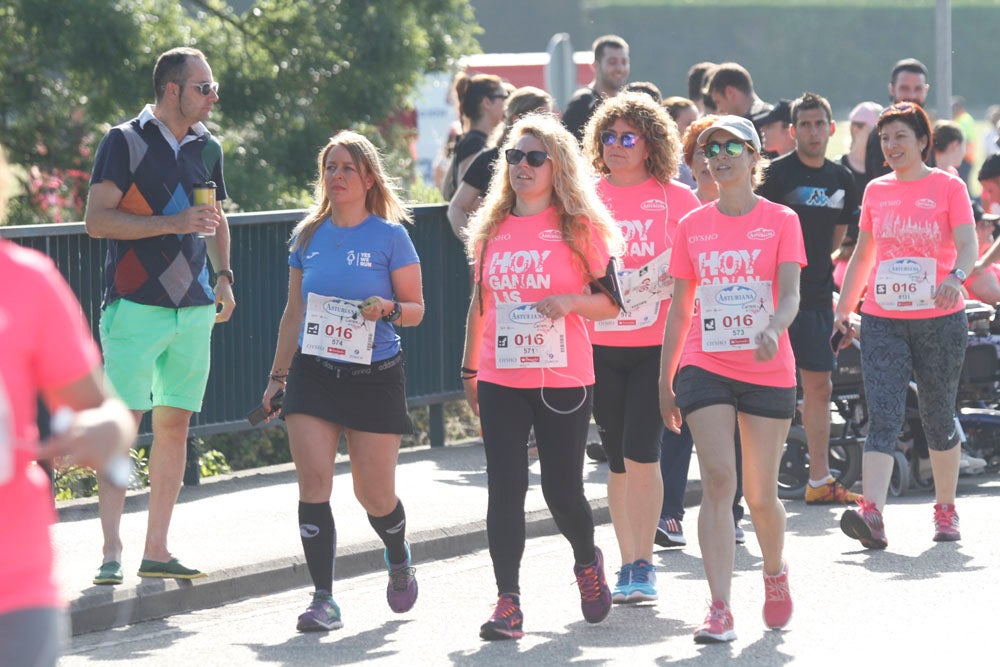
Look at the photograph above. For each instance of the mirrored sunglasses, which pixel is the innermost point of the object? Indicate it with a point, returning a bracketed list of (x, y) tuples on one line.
[(626, 139), (733, 148)]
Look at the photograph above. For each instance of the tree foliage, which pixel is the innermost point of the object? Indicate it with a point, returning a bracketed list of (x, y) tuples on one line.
[(292, 73)]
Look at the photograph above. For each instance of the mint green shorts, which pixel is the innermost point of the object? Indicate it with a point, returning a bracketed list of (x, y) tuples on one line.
[(157, 356)]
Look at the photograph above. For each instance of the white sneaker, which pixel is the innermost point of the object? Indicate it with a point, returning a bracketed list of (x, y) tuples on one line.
[(971, 465)]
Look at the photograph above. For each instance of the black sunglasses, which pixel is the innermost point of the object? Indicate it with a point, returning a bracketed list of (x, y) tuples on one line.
[(626, 139), (535, 158)]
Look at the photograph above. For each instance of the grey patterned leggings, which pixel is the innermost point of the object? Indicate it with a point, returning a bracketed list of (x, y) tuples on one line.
[(932, 351)]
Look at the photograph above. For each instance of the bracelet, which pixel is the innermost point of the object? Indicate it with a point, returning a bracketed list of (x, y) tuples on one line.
[(463, 378), (470, 371), (277, 378)]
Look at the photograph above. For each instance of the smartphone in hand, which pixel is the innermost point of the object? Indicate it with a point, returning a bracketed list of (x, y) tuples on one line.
[(838, 337), (258, 414)]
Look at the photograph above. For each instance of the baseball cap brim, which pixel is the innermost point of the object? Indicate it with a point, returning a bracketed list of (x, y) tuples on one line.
[(735, 125)]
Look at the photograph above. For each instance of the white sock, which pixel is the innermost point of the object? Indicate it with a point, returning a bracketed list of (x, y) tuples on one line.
[(823, 482)]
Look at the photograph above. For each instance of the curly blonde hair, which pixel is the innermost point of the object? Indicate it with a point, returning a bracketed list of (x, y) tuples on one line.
[(582, 215), (650, 119), (382, 198)]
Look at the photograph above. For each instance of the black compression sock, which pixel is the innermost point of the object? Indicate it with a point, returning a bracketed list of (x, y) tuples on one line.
[(392, 531), (319, 541)]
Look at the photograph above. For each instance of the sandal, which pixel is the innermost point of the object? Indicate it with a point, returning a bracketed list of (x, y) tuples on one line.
[(172, 569), (109, 574)]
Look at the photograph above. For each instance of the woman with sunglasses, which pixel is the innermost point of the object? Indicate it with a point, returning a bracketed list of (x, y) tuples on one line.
[(354, 276), (740, 258), (482, 99), (632, 142), (917, 243), (675, 448), (539, 244)]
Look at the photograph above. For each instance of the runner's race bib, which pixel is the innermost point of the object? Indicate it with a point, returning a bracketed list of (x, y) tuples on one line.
[(336, 330), (527, 339), (906, 283), (643, 290), (732, 315)]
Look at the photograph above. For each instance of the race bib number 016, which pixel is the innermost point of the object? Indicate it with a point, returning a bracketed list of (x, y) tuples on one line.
[(906, 283), (732, 315), (336, 330), (528, 339)]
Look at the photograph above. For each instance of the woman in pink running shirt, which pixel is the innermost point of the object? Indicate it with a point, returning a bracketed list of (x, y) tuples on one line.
[(726, 358), (45, 350), (633, 143), (539, 243), (916, 245)]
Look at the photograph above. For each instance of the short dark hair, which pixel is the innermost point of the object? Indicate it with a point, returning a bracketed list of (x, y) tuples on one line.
[(647, 87), (730, 74), (171, 67), (946, 132), (912, 115), (696, 79), (811, 101), (907, 65), (608, 41)]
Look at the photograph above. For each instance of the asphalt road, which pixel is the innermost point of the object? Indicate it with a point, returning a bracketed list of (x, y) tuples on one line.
[(918, 603)]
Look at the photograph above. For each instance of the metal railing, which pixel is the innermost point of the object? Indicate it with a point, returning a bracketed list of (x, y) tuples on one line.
[(243, 348)]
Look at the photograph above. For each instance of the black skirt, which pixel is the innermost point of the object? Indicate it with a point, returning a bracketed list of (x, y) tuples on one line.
[(371, 398)]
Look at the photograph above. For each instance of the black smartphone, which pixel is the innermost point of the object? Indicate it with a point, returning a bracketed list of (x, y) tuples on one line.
[(837, 338), (258, 414)]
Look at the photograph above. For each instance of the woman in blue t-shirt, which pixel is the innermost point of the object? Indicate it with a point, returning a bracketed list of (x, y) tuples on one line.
[(353, 276)]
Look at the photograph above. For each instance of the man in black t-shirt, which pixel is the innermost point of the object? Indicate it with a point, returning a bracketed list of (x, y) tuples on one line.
[(611, 69), (907, 83), (824, 196)]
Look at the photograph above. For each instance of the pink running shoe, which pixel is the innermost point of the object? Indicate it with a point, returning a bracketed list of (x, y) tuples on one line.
[(777, 599), (718, 625), (946, 523), (865, 524)]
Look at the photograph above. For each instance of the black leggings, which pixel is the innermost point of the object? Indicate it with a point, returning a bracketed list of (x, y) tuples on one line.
[(507, 415)]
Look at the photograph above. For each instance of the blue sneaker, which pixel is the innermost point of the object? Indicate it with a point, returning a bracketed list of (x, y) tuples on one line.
[(643, 582), (401, 591), (624, 586), (322, 615)]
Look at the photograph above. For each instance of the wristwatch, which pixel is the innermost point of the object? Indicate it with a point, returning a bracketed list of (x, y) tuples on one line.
[(227, 274), (960, 274), (394, 314)]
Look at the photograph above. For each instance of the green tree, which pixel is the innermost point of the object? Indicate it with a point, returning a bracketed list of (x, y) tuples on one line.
[(292, 73)]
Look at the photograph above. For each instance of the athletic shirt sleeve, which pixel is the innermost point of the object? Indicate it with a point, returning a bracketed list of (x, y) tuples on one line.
[(112, 161), (401, 250)]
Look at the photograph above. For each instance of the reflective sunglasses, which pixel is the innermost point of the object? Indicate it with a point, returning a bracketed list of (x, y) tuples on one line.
[(535, 158), (627, 139), (734, 148), (207, 88)]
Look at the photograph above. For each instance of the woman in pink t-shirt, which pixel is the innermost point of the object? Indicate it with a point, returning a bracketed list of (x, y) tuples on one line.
[(539, 243), (45, 350), (916, 245), (728, 358), (633, 143)]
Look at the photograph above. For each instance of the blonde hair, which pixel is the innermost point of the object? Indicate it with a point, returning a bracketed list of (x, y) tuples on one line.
[(382, 198), (650, 119), (582, 215)]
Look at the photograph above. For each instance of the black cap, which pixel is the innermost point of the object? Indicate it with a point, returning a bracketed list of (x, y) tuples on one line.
[(990, 168), (782, 111)]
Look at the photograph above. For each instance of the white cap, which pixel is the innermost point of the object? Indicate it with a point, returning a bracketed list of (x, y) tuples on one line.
[(737, 125)]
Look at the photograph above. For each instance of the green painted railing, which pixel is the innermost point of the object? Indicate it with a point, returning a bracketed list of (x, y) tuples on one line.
[(242, 349)]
